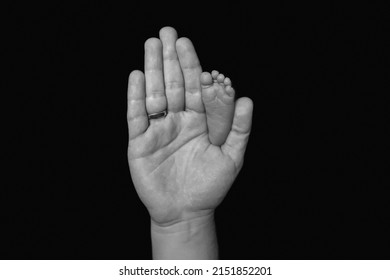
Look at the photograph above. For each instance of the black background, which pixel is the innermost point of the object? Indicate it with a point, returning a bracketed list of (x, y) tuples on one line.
[(313, 183)]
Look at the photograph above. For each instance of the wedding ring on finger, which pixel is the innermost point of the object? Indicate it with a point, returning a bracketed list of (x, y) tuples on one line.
[(158, 115)]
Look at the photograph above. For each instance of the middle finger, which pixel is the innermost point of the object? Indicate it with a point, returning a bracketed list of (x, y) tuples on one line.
[(174, 81), (154, 78)]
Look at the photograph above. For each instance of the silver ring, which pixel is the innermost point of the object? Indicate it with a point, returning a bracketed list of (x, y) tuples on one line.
[(157, 115)]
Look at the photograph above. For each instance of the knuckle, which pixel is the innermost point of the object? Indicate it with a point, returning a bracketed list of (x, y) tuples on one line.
[(173, 85)]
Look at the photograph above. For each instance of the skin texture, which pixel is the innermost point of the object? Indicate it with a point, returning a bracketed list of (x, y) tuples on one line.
[(178, 173)]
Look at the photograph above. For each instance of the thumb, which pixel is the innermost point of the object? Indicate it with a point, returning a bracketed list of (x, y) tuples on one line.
[(237, 139)]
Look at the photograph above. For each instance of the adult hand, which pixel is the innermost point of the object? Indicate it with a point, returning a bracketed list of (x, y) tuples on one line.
[(178, 174)]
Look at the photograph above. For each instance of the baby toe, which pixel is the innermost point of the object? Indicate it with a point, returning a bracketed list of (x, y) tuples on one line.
[(220, 78), (229, 91), (227, 82), (206, 79), (214, 74)]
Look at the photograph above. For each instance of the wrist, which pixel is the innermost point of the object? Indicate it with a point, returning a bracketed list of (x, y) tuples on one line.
[(185, 223), (191, 238)]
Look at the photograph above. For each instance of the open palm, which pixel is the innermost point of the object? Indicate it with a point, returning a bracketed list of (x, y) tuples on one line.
[(177, 172)]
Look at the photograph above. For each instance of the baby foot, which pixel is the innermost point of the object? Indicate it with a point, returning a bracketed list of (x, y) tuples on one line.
[(218, 99)]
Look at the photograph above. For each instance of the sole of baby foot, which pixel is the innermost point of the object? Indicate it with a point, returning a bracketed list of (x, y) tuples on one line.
[(218, 99)]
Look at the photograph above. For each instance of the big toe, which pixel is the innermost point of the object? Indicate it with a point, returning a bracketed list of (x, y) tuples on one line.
[(205, 79)]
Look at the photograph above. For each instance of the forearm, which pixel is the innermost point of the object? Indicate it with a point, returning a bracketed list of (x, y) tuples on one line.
[(190, 239)]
